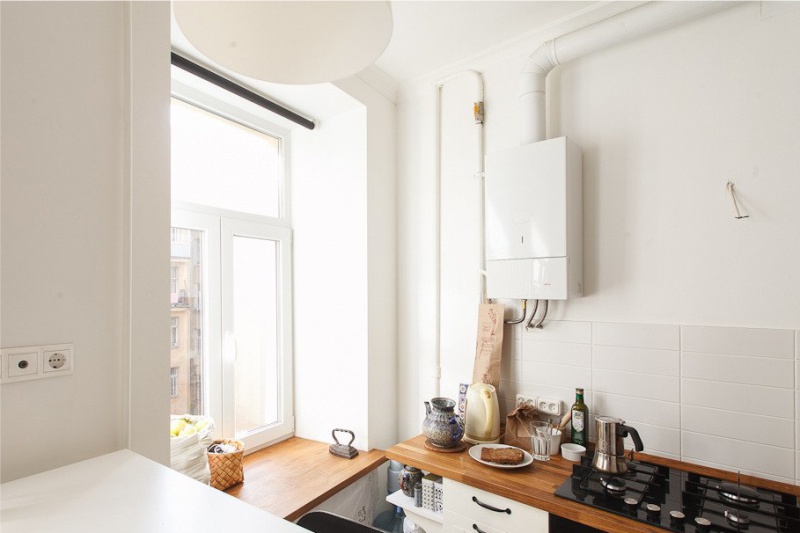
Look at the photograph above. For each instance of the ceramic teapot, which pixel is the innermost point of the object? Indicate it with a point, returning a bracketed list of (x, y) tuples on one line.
[(442, 427)]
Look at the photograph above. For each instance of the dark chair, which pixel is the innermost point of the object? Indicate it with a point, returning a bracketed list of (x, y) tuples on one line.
[(324, 522)]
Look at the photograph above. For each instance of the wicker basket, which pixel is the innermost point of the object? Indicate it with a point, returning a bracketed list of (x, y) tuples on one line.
[(226, 468)]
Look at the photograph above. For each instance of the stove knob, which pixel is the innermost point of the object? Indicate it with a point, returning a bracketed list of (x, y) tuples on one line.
[(676, 518), (631, 504), (653, 511), (703, 525)]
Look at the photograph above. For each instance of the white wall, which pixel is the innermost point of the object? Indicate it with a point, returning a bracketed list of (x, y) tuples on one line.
[(381, 226), (343, 184), (330, 267), (66, 186), (664, 122)]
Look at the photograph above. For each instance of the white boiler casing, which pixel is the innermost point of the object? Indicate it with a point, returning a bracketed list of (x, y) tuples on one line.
[(534, 221)]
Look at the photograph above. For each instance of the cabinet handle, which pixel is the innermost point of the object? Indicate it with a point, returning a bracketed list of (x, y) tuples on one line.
[(476, 528), (486, 506)]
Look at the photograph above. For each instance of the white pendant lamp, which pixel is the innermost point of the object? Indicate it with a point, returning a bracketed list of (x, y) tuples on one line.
[(292, 42)]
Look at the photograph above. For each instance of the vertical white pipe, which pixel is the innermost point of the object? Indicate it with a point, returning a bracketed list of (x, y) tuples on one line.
[(481, 233), (437, 370)]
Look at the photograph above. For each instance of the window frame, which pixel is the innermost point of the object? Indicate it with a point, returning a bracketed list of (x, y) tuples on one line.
[(218, 392)]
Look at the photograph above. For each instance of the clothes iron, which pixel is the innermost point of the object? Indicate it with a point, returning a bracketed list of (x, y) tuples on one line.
[(343, 450)]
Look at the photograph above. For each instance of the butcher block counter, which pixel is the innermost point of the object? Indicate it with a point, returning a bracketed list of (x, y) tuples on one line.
[(535, 485)]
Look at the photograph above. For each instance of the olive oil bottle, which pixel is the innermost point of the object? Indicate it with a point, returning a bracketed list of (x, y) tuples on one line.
[(580, 419)]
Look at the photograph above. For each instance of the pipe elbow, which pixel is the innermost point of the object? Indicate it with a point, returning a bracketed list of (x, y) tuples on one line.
[(542, 60)]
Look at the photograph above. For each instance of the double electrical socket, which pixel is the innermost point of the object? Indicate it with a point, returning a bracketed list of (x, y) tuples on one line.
[(548, 406), (34, 362)]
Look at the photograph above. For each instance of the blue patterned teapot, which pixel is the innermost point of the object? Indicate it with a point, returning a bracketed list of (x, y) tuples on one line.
[(442, 427)]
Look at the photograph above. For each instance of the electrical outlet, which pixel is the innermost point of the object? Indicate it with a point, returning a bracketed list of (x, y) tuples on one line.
[(524, 399), (26, 363), (23, 364), (57, 358), (550, 406)]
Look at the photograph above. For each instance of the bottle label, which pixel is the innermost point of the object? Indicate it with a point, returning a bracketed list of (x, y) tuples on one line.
[(577, 420)]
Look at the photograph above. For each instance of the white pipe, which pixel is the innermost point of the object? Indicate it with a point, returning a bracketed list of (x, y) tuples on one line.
[(637, 22), (437, 374), (437, 358)]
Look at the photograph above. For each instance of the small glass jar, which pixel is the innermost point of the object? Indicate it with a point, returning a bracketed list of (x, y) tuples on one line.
[(409, 478)]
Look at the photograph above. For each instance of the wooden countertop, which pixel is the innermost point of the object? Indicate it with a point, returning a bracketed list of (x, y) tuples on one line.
[(536, 484), (290, 478)]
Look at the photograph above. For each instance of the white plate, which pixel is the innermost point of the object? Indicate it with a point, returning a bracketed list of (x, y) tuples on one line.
[(475, 453)]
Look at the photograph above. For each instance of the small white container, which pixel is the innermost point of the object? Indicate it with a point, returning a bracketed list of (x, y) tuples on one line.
[(555, 440), (572, 452)]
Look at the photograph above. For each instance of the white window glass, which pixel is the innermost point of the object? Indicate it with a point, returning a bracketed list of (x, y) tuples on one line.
[(187, 321), (255, 325), (221, 163)]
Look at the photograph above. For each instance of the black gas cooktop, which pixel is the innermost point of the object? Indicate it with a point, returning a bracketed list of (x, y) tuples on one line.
[(681, 501)]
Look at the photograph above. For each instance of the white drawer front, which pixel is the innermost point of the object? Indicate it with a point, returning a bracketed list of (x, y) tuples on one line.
[(456, 523), (466, 501)]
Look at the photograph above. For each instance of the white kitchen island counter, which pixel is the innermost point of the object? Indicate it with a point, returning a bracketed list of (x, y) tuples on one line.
[(123, 492)]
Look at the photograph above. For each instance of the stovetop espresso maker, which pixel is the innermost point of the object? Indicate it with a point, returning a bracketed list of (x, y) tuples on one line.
[(609, 453)]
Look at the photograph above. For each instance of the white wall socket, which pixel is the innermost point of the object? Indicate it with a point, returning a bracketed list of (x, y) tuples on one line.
[(34, 362), (22, 364), (524, 399), (550, 406), (57, 358)]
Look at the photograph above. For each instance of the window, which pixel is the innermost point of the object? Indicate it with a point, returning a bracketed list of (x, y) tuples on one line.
[(173, 382), (174, 329), (173, 280), (229, 209)]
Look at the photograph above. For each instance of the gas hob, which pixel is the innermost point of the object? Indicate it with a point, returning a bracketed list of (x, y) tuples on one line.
[(676, 500)]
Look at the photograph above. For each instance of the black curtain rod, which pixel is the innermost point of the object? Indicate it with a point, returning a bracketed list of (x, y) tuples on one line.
[(228, 85)]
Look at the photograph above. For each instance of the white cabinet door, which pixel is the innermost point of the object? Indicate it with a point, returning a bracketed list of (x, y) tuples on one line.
[(493, 511)]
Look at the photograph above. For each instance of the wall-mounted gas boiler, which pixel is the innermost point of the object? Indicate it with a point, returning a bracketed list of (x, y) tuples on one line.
[(534, 221)]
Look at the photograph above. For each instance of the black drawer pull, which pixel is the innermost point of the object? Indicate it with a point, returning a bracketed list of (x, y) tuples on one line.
[(476, 528), (486, 506)]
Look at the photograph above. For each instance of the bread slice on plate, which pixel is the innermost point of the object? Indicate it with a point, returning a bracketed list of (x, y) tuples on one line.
[(502, 456)]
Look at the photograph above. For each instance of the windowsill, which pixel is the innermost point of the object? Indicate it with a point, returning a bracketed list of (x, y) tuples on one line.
[(292, 477)]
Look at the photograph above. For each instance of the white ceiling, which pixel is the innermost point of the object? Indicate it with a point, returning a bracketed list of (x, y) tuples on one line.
[(431, 34), (428, 35)]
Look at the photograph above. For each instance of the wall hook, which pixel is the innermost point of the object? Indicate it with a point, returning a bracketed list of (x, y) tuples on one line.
[(736, 212)]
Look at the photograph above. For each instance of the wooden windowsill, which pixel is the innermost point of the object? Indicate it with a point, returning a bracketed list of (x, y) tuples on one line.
[(292, 477)]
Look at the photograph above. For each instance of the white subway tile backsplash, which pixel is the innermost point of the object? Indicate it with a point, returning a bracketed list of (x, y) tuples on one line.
[(749, 457), (510, 367), (738, 369), (566, 376), (560, 331), (642, 360), (666, 388), (659, 336), (656, 439), (666, 414), (738, 341), (742, 426), (737, 397), (797, 419), (562, 353), (797, 468), (724, 397)]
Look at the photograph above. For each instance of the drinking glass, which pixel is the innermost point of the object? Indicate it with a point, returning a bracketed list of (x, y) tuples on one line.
[(541, 433)]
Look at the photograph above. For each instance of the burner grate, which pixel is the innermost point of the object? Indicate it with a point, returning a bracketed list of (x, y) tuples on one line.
[(677, 501)]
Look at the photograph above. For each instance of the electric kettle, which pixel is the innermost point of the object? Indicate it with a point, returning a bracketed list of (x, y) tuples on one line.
[(482, 420), (609, 452)]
